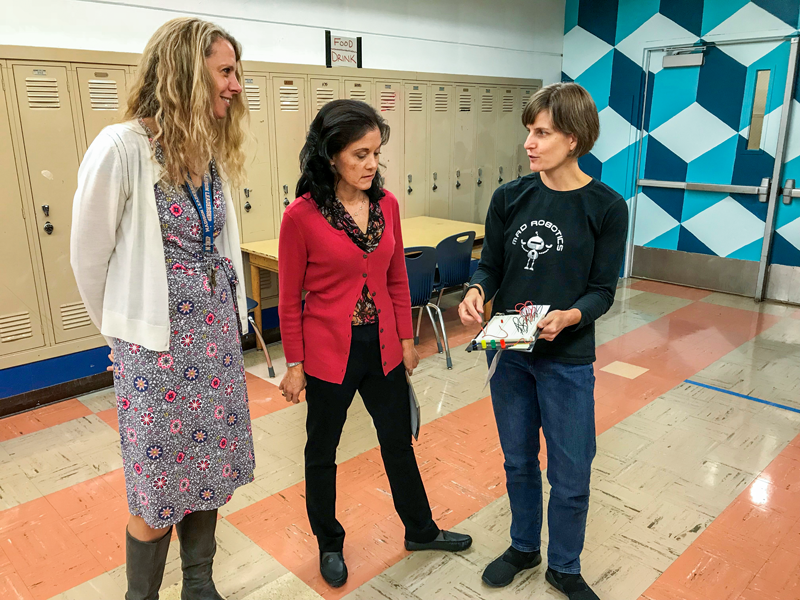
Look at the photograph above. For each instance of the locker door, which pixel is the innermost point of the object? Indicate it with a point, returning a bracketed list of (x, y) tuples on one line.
[(523, 164), (359, 90), (508, 126), (52, 159), (463, 170), (255, 199), (103, 97), (441, 113), (417, 182), (289, 102), (485, 146), (323, 90), (20, 321), (390, 97)]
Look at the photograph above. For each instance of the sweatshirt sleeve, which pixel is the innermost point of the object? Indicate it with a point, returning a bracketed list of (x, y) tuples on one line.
[(97, 210), (490, 269), (609, 252), (397, 281), (292, 263)]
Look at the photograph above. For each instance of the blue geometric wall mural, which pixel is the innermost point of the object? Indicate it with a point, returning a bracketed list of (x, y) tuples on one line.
[(696, 120)]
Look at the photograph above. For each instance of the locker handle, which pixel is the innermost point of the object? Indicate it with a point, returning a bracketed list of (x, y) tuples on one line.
[(48, 228), (46, 210), (247, 192), (435, 187), (458, 184), (409, 184), (286, 202), (480, 172), (247, 206), (500, 179)]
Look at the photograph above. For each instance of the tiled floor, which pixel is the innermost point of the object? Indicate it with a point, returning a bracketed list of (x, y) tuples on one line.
[(695, 492)]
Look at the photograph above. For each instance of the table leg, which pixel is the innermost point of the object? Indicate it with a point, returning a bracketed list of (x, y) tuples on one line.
[(255, 285)]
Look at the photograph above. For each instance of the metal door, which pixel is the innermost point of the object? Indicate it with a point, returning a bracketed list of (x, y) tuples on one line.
[(713, 140)]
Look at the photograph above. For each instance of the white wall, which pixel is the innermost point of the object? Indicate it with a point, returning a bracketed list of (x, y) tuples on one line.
[(511, 38)]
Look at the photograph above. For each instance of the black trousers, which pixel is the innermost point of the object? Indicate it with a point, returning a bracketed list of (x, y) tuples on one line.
[(386, 399)]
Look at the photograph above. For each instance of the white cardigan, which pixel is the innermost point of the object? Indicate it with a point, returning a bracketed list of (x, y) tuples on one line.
[(116, 250)]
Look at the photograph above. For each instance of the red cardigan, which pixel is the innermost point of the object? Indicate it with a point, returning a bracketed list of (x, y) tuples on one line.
[(316, 257)]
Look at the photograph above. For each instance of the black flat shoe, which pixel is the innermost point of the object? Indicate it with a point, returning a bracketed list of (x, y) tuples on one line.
[(502, 570), (571, 585), (333, 569), (446, 540)]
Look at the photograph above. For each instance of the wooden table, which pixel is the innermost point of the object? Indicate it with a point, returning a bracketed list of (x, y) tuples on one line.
[(417, 231)]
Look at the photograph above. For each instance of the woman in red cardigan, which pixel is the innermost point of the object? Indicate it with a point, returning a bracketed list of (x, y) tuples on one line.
[(340, 241)]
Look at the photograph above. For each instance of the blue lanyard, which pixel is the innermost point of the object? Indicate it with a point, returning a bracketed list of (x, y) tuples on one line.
[(206, 212)]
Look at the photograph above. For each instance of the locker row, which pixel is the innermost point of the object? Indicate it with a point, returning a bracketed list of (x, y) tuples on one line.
[(451, 145)]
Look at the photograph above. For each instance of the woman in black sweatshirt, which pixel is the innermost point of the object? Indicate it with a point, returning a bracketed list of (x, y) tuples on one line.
[(557, 237)]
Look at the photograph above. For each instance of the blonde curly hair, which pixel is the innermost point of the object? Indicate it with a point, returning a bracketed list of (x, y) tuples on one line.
[(174, 87)]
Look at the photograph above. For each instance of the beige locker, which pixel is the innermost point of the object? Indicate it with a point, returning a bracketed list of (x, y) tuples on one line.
[(389, 95), (323, 90), (289, 104), (103, 95), (359, 89), (417, 181), (441, 114), (52, 160), (462, 205), (509, 124), (255, 198), (485, 150), (20, 321), (523, 164)]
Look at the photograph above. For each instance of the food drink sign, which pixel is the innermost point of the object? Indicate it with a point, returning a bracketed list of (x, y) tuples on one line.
[(341, 51)]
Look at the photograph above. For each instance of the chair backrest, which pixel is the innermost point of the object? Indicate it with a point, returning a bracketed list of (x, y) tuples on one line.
[(421, 268), (454, 255)]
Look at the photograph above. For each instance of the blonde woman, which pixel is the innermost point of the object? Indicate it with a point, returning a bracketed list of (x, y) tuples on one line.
[(155, 251)]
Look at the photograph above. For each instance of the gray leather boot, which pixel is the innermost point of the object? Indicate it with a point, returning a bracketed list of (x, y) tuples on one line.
[(144, 566), (198, 546)]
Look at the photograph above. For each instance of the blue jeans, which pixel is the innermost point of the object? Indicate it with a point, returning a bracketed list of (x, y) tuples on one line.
[(529, 393)]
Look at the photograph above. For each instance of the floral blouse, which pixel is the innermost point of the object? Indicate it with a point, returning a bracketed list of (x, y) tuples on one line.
[(365, 312)]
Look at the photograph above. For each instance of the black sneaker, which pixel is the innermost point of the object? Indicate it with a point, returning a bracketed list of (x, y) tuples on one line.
[(571, 585), (333, 569), (501, 571)]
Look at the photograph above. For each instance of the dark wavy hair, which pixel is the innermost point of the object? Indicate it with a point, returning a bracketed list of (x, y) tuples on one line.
[(337, 125)]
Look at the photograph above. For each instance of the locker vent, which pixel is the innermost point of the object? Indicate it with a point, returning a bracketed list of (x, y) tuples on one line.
[(441, 102), (74, 315), (415, 102), (15, 327), (253, 95), (103, 94), (42, 93), (388, 100), (290, 98), (324, 95), (487, 103), (508, 103), (269, 284), (526, 97), (358, 95), (465, 102)]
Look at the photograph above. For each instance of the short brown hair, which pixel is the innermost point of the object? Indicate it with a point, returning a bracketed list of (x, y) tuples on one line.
[(572, 110)]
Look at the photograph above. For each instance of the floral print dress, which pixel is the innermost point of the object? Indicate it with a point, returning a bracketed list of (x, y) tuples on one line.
[(184, 420)]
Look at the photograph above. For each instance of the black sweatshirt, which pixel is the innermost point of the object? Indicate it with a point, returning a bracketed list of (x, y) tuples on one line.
[(564, 249)]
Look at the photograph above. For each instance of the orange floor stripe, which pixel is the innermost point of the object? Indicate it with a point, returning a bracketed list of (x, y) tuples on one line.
[(669, 289), (41, 418), (752, 550)]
